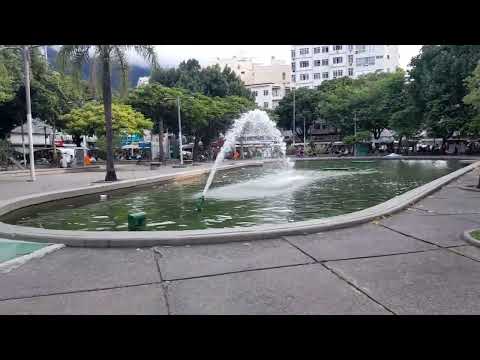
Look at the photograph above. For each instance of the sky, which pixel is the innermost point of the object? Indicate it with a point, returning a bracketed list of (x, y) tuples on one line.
[(172, 55)]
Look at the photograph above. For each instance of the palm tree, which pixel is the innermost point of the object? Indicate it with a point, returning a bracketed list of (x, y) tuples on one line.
[(77, 55)]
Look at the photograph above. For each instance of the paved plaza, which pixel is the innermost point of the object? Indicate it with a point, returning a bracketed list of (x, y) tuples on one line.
[(413, 262)]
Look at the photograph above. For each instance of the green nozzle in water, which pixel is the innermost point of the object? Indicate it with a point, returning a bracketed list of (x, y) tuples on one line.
[(200, 203)]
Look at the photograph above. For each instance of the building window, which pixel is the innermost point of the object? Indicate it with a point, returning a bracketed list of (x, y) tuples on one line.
[(304, 51), (293, 78), (293, 66), (350, 71), (316, 76), (337, 47), (360, 48), (316, 50), (265, 92), (293, 54), (379, 56), (325, 62), (276, 91), (350, 48), (265, 105), (255, 93), (284, 76), (287, 91), (365, 61), (304, 64), (243, 72), (337, 73), (303, 76), (388, 56), (350, 60), (338, 60), (238, 67), (317, 63), (324, 49), (325, 75)]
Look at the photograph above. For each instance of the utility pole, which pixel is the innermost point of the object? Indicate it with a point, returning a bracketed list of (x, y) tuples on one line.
[(355, 134), (180, 130), (26, 61), (293, 123), (304, 135)]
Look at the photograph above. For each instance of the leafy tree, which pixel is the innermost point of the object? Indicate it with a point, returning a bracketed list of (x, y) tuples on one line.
[(438, 86), (306, 102), (90, 120), (77, 55), (158, 103), (473, 99), (360, 137), (209, 81)]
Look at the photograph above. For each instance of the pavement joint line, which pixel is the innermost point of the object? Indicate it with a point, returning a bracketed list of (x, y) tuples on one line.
[(377, 256), (284, 238), (411, 236), (239, 272), (80, 291), (456, 253), (435, 213), (156, 256), (358, 288)]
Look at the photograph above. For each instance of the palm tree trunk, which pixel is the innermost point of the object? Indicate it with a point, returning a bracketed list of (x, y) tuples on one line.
[(107, 105)]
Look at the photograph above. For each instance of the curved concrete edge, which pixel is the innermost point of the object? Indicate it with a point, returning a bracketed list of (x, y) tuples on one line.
[(469, 238), (10, 265), (208, 236)]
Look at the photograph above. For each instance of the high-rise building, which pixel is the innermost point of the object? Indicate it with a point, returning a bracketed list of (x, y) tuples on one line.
[(313, 64), (268, 82)]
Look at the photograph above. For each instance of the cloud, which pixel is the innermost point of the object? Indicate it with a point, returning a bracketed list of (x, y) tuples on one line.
[(172, 55)]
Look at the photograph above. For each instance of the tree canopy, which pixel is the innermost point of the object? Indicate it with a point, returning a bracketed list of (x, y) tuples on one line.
[(209, 81), (438, 87), (90, 120)]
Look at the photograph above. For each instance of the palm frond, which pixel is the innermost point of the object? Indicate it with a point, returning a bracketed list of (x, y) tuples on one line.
[(120, 57), (73, 57), (148, 53)]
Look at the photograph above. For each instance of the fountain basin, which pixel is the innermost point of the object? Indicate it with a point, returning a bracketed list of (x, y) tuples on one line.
[(211, 235)]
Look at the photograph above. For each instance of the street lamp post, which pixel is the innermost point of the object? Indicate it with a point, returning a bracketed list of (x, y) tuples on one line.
[(293, 120), (180, 130), (180, 140), (355, 134), (26, 63), (26, 68)]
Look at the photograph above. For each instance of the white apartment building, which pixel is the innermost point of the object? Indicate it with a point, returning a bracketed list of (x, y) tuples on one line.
[(313, 64), (268, 82), (143, 80)]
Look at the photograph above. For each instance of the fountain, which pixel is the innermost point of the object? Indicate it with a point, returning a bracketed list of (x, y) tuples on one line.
[(253, 122)]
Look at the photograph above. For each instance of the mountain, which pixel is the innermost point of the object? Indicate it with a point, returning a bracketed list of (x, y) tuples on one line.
[(134, 71)]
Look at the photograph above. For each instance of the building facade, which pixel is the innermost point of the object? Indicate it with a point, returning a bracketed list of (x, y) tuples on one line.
[(143, 80), (269, 83), (313, 64)]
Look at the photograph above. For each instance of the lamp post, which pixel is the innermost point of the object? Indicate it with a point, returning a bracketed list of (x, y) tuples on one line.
[(355, 134), (25, 49), (179, 128), (293, 120), (26, 61)]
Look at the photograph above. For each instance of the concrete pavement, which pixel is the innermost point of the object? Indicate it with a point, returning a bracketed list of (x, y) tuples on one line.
[(413, 262)]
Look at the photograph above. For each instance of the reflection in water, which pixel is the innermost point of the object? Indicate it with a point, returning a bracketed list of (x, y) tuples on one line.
[(243, 197)]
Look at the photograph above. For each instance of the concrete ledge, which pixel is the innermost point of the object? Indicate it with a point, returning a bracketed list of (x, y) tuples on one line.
[(469, 238), (10, 265), (208, 236)]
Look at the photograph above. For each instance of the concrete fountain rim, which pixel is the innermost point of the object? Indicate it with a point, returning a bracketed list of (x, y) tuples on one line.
[(76, 238)]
